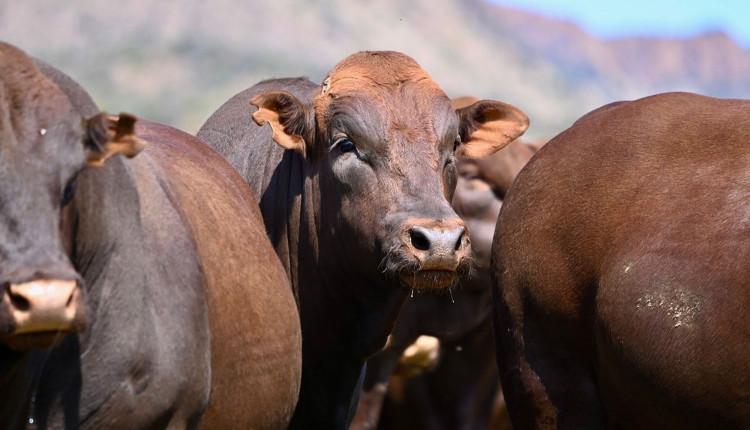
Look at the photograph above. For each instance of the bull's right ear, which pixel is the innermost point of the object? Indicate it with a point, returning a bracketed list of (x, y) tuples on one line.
[(487, 126), (289, 119), (110, 135)]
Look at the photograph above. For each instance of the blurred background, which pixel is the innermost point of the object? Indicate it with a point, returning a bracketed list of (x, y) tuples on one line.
[(176, 61)]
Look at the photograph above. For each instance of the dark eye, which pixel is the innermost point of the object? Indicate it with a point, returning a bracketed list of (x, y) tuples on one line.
[(346, 145), (456, 143), (68, 193)]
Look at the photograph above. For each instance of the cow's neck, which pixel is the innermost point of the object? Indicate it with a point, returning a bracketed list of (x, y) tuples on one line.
[(108, 197), (358, 325), (340, 329), (339, 334)]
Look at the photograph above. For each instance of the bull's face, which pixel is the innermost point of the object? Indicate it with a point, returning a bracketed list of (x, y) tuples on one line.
[(382, 137), (43, 146)]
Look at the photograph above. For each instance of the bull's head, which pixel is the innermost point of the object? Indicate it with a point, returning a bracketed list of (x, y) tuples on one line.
[(44, 144), (382, 138)]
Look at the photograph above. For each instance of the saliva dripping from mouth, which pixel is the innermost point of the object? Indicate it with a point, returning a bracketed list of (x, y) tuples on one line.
[(35, 381)]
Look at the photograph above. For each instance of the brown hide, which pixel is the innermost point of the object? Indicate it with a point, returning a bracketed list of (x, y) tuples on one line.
[(255, 334), (622, 282)]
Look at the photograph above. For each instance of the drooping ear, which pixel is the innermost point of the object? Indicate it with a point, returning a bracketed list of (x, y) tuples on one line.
[(290, 120), (109, 135), (487, 126)]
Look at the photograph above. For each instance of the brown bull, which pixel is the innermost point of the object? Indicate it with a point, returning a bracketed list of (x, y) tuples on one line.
[(355, 195)]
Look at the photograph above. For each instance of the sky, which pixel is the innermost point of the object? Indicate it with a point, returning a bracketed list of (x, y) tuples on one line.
[(616, 18)]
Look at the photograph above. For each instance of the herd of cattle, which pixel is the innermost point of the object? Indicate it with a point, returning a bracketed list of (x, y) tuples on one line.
[(274, 270)]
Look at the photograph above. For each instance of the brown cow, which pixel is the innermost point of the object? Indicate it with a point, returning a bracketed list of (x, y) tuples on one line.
[(621, 268), (355, 196), (177, 305)]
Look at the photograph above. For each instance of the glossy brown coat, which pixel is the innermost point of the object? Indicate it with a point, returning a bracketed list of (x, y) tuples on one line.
[(254, 325), (622, 271)]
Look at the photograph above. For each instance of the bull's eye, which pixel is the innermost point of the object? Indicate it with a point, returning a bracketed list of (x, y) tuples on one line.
[(346, 145), (456, 143), (68, 193)]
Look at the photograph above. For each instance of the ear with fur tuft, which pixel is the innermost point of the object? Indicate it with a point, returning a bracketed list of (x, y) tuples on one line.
[(287, 117), (487, 126), (109, 135)]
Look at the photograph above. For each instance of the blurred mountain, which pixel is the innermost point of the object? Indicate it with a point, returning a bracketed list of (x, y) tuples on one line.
[(176, 61)]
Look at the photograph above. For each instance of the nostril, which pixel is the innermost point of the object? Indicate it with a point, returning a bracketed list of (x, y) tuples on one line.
[(419, 240), (19, 302)]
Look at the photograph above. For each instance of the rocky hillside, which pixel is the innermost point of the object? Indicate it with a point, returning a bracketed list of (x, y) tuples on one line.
[(176, 61)]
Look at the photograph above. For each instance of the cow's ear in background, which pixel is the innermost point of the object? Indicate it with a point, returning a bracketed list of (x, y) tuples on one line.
[(287, 116), (487, 126), (109, 135)]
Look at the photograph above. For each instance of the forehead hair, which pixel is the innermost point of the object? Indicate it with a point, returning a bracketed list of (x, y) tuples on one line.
[(376, 75), (381, 68)]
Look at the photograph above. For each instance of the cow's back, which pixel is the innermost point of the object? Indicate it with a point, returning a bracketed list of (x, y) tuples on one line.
[(620, 259), (255, 334)]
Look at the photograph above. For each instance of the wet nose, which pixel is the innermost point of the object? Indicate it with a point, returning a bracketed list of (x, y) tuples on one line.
[(439, 245), (436, 241), (43, 305)]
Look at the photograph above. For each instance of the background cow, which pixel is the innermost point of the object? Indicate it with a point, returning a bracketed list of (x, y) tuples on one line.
[(144, 264), (355, 196), (621, 263)]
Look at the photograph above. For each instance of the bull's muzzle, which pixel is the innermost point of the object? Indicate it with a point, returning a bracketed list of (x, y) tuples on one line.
[(44, 305), (439, 246)]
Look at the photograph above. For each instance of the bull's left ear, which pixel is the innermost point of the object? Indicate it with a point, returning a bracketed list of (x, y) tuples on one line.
[(487, 126), (290, 121), (109, 135)]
